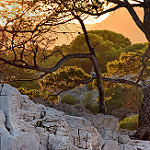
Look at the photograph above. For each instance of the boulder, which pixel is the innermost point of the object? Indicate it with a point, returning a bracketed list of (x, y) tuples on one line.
[(107, 134), (106, 120), (60, 143), (29, 126), (110, 145), (123, 139), (84, 135), (5, 137), (26, 141), (136, 145)]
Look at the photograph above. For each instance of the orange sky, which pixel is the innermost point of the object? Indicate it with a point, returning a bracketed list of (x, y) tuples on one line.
[(119, 21)]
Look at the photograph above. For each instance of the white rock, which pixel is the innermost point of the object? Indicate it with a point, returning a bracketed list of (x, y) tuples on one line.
[(5, 137), (110, 145), (60, 143), (25, 142), (101, 119), (43, 134), (107, 134), (136, 145), (84, 134), (36, 127), (123, 139)]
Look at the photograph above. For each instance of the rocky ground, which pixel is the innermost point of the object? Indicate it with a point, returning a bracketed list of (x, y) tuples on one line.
[(25, 125)]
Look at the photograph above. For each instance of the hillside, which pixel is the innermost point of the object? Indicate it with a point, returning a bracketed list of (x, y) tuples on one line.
[(119, 21)]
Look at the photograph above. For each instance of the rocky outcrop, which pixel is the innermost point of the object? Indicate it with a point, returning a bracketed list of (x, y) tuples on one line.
[(29, 126)]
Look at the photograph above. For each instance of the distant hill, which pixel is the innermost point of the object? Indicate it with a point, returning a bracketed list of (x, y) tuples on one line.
[(119, 21)]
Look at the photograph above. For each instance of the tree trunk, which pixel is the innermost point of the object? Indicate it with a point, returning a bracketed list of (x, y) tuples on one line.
[(143, 131), (146, 21), (102, 108)]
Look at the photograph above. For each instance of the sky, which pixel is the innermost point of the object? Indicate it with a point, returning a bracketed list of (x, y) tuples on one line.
[(89, 20), (119, 21)]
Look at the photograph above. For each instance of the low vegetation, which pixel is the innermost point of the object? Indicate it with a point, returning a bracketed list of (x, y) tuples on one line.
[(68, 99), (130, 123), (89, 103)]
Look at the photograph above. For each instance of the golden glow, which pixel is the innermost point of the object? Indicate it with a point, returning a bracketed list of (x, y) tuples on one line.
[(11, 8), (8, 10)]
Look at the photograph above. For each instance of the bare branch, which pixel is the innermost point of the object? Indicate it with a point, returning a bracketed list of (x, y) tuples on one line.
[(57, 51), (145, 55), (85, 32), (47, 70), (134, 15), (130, 82), (144, 59), (26, 80)]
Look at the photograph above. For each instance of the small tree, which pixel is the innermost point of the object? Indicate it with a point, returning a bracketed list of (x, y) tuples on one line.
[(110, 45), (143, 131), (29, 37)]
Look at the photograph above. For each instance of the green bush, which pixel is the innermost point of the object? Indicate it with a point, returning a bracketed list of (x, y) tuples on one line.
[(89, 87), (122, 96), (130, 123), (39, 93), (87, 99), (22, 91), (31, 93), (89, 103), (68, 99), (94, 108)]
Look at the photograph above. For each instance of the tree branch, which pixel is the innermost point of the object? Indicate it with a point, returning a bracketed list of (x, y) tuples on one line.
[(134, 15), (22, 80), (47, 70), (130, 82), (76, 84), (57, 51), (85, 32)]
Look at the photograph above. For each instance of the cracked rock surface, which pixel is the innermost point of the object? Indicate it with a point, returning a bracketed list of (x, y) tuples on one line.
[(25, 125)]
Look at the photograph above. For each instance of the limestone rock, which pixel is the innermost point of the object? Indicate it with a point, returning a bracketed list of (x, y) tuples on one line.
[(123, 139), (105, 120), (84, 135), (110, 145), (136, 145), (28, 126), (26, 141), (107, 134), (43, 134), (72, 110), (5, 137), (59, 143)]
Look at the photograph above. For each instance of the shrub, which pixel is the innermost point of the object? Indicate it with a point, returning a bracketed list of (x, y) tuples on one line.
[(39, 93), (122, 96), (68, 99), (89, 103), (95, 109), (22, 91), (31, 93), (89, 87), (87, 99), (130, 123)]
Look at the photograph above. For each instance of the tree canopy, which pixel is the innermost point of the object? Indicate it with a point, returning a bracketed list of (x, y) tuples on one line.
[(130, 64), (109, 45)]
